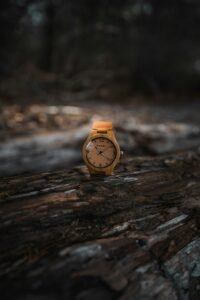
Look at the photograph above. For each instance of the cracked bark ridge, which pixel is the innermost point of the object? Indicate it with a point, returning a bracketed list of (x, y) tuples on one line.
[(135, 235)]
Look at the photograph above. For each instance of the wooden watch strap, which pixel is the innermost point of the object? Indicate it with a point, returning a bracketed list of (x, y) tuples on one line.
[(102, 126)]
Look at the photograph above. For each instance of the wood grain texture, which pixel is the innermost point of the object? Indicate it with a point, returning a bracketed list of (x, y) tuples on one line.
[(135, 235)]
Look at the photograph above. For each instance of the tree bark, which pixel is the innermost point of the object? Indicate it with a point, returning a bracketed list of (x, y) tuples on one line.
[(49, 38), (135, 235)]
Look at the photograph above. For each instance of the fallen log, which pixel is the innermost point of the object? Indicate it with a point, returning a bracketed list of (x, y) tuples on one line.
[(46, 138), (134, 235)]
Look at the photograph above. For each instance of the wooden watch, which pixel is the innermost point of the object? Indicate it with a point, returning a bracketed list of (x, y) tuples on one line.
[(101, 151)]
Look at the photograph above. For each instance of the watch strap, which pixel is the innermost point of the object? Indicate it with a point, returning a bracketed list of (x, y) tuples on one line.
[(102, 126)]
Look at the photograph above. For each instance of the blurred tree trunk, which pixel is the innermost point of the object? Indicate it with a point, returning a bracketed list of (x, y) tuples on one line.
[(48, 36), (11, 13)]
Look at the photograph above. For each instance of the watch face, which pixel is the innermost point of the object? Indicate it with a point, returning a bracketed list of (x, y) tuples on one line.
[(101, 152)]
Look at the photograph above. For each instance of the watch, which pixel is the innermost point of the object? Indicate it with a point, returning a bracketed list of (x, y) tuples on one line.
[(101, 151)]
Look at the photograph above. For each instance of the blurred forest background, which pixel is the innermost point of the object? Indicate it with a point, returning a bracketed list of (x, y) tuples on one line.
[(65, 63), (64, 234), (105, 48)]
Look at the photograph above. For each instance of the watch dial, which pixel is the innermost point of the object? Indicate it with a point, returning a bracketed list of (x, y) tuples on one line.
[(100, 152)]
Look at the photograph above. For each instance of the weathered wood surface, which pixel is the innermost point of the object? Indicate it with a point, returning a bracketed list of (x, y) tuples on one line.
[(134, 235), (66, 235)]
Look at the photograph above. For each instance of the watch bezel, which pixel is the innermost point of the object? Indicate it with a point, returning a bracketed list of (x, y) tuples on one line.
[(95, 138), (110, 136)]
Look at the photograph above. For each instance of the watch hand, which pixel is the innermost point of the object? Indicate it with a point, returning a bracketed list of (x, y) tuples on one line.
[(105, 157), (107, 148), (99, 152)]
